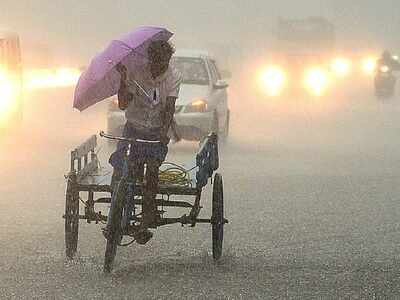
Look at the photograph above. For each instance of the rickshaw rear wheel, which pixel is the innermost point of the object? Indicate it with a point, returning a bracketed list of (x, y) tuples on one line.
[(217, 218), (114, 227), (71, 221)]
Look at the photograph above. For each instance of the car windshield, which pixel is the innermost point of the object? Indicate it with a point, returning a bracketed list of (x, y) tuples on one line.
[(193, 70)]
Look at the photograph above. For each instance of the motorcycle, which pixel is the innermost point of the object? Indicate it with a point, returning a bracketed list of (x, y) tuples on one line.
[(385, 82)]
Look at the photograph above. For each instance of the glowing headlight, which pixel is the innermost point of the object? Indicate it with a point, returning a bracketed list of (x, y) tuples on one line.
[(273, 80), (196, 106), (384, 69), (341, 67), (10, 90), (51, 78), (7, 91), (395, 57), (369, 65), (316, 80)]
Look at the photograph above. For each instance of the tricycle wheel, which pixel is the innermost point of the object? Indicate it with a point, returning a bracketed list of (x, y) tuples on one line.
[(114, 229), (71, 220), (217, 218)]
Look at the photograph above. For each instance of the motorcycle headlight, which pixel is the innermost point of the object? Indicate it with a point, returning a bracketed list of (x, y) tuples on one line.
[(384, 69), (316, 80), (273, 80), (197, 106)]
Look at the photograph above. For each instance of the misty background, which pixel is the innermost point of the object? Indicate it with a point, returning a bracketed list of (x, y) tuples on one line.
[(311, 183), (73, 31)]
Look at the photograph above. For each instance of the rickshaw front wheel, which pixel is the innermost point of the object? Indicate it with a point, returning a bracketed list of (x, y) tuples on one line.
[(114, 226)]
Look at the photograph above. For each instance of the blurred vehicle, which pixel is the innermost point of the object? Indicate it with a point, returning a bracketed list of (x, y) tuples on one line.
[(305, 60), (388, 60), (302, 58), (385, 82), (296, 75), (202, 105), (11, 102)]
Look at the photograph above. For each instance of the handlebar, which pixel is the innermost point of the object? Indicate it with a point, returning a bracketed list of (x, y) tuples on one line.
[(129, 140)]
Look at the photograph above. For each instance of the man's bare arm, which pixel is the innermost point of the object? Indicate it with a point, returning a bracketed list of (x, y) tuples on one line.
[(124, 97)]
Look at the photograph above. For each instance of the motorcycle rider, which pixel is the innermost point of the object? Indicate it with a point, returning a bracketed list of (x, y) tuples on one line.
[(388, 60), (384, 79)]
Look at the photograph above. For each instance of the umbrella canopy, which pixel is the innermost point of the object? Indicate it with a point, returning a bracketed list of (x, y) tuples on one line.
[(101, 80)]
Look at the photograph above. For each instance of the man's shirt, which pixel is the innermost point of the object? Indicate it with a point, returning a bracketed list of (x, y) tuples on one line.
[(145, 110)]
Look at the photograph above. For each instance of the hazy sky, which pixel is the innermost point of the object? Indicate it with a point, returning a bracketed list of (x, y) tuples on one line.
[(79, 28)]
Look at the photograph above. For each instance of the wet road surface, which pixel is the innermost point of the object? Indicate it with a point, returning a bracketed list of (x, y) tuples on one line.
[(312, 196)]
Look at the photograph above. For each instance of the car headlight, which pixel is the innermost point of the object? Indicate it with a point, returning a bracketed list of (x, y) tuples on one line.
[(8, 92), (316, 80), (341, 67), (369, 65), (197, 106), (273, 80)]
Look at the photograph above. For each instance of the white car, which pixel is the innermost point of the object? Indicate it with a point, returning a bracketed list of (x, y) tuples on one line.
[(202, 106)]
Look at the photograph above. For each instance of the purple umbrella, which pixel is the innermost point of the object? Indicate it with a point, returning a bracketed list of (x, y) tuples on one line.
[(101, 80)]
